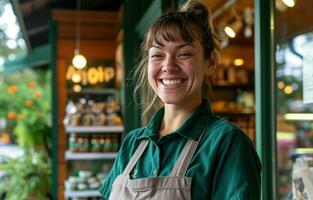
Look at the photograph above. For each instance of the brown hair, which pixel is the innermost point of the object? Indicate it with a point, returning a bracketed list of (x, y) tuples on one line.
[(193, 22)]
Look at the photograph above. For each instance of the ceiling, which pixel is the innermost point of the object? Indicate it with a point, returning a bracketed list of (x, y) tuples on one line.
[(223, 12), (35, 15)]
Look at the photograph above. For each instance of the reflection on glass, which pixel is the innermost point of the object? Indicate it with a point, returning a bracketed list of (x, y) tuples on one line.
[(294, 117)]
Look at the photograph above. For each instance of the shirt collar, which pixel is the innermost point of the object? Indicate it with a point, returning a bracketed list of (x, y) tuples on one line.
[(192, 127)]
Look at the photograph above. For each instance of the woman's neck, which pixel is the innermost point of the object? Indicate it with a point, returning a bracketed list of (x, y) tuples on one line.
[(174, 117)]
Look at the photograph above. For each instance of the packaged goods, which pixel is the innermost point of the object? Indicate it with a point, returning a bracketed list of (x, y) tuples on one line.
[(302, 182)]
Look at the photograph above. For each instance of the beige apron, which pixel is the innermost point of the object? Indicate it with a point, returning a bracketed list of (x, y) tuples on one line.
[(176, 186)]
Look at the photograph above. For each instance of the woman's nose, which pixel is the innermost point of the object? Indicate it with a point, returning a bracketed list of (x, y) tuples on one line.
[(169, 65)]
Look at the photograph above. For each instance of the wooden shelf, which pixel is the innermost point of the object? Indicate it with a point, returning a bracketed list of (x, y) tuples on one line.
[(81, 194), (90, 156), (94, 129), (248, 112), (233, 85), (108, 91)]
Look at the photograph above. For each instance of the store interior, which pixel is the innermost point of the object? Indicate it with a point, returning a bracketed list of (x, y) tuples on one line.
[(65, 120)]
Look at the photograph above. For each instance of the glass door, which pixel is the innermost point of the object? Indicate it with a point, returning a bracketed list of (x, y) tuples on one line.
[(293, 61)]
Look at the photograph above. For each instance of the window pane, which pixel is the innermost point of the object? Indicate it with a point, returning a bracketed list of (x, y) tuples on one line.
[(294, 90)]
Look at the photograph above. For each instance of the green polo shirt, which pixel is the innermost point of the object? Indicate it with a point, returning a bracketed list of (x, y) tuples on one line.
[(224, 167)]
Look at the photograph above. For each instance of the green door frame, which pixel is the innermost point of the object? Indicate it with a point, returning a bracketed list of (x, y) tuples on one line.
[(138, 17), (54, 138), (265, 95)]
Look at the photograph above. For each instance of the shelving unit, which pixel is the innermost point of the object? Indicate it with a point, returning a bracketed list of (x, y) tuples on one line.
[(233, 91), (89, 156), (81, 194), (95, 157), (94, 129), (96, 91), (233, 85), (241, 112)]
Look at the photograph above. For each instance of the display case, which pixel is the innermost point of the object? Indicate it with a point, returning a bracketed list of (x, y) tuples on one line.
[(93, 124), (233, 97), (233, 88)]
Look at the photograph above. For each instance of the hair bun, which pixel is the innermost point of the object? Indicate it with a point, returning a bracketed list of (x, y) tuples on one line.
[(197, 8)]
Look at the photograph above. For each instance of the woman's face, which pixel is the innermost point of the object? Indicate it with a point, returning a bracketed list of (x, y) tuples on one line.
[(176, 71)]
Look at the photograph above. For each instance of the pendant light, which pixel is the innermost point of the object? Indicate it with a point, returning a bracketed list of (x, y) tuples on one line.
[(235, 26), (79, 61), (232, 29)]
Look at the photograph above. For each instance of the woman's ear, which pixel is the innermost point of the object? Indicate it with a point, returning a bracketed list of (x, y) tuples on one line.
[(211, 64)]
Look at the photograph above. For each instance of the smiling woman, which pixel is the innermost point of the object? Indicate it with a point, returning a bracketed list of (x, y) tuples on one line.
[(174, 70), (185, 151)]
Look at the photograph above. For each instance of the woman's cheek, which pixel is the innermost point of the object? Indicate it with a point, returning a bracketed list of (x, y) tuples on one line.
[(150, 75)]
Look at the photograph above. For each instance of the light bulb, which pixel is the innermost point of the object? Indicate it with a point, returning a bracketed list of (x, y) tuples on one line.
[(76, 78), (239, 62), (79, 61), (289, 3), (77, 88), (281, 85), (248, 31), (232, 29), (288, 89), (230, 32)]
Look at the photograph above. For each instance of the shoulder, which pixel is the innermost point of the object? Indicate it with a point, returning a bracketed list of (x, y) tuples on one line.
[(224, 129), (134, 134), (222, 134), (130, 139), (231, 140)]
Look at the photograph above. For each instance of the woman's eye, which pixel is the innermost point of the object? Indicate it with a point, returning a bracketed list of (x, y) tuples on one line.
[(185, 55), (156, 56)]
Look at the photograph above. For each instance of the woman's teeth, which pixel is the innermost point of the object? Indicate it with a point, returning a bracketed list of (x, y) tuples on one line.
[(171, 82)]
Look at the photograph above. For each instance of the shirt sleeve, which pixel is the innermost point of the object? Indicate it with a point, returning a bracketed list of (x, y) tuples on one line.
[(237, 174)]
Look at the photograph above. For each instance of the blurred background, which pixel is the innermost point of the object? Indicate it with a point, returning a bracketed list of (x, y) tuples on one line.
[(66, 92)]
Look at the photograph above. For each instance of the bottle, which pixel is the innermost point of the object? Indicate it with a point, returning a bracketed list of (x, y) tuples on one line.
[(73, 143)]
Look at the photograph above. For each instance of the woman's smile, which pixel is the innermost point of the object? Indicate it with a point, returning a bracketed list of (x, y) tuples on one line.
[(176, 71)]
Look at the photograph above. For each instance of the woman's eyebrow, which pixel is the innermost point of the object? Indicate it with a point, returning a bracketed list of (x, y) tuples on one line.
[(178, 47), (156, 46), (185, 44)]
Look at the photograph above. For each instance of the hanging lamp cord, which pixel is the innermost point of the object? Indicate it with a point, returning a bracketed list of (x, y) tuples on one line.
[(77, 51)]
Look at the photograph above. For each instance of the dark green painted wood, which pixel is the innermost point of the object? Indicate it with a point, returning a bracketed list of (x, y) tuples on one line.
[(131, 43), (149, 16), (265, 95), (53, 65), (138, 17), (40, 56), (19, 16), (181, 2)]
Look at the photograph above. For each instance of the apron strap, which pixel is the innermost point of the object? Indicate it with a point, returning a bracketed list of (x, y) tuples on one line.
[(185, 157), (140, 149)]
